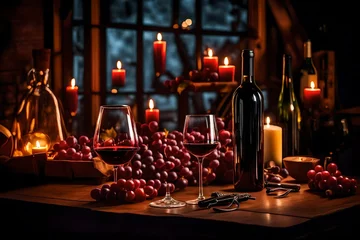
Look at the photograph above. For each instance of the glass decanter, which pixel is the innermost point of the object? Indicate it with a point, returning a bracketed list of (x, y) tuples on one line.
[(39, 118)]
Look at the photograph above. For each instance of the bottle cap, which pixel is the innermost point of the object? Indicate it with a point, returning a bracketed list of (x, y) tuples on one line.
[(247, 53), (41, 58)]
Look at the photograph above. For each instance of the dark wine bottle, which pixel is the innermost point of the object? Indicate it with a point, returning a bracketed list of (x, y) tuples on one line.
[(248, 129), (289, 115), (308, 70)]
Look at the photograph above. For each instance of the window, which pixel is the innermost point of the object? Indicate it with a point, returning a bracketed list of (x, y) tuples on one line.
[(128, 30)]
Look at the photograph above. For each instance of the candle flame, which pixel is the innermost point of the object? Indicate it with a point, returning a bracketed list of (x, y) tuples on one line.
[(151, 104), (226, 61), (268, 121), (159, 37), (210, 52), (118, 64), (312, 85), (72, 83), (291, 107), (37, 144)]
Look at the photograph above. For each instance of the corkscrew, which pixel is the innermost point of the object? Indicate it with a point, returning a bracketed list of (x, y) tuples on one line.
[(227, 200), (272, 187)]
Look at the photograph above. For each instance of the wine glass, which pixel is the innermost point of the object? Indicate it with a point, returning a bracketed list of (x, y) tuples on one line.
[(201, 137), (168, 201), (115, 138)]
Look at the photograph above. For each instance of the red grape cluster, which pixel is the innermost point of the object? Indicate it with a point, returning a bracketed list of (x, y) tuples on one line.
[(275, 174), (331, 181), (73, 149), (130, 190)]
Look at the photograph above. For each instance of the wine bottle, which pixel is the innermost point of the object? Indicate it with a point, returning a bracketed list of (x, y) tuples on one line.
[(248, 129), (308, 70), (289, 115)]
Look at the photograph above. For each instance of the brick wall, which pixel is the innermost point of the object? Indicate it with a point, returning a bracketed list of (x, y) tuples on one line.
[(21, 30)]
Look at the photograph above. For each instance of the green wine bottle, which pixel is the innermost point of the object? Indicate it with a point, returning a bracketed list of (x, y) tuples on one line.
[(289, 115)]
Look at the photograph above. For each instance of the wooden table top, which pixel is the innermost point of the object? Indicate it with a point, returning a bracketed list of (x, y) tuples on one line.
[(266, 211)]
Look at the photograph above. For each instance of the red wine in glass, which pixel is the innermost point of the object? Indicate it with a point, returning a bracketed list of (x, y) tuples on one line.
[(116, 155), (200, 149)]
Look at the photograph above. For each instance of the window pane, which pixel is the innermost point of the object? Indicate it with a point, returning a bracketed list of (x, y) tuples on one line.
[(123, 11), (224, 15), (168, 107), (77, 126), (121, 46), (174, 65), (78, 10), (187, 11), (78, 57), (202, 102), (157, 12), (119, 99)]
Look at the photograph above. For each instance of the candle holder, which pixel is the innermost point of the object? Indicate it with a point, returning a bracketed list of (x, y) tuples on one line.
[(35, 143)]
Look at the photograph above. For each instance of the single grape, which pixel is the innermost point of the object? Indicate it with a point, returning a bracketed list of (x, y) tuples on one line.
[(140, 195), (275, 169), (153, 126), (71, 141), (104, 192), (121, 183), (346, 183), (318, 176), (127, 172), (149, 190), (136, 165), (96, 194), (284, 173), (220, 124), (275, 179), (312, 185), (130, 196), (157, 184), (224, 134), (110, 196), (214, 164), (182, 183), (83, 140), (136, 183), (85, 150), (325, 175), (63, 144), (56, 147), (129, 185), (318, 168), (332, 182), (229, 156), (172, 176), (337, 173), (150, 182), (210, 177), (147, 153), (77, 156), (332, 167), (311, 174), (142, 183), (323, 185)]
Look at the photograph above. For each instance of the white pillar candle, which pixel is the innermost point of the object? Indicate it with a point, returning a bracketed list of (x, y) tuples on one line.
[(272, 143)]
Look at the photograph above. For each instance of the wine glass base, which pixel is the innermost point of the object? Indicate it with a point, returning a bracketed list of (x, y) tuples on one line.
[(195, 201), (167, 202)]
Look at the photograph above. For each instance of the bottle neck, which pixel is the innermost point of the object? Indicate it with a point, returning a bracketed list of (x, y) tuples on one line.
[(287, 79), (38, 77), (247, 69), (307, 50)]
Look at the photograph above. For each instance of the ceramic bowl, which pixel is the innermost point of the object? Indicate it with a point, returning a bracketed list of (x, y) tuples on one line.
[(298, 166)]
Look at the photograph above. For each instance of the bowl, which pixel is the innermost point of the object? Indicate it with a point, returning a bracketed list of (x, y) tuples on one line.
[(298, 166)]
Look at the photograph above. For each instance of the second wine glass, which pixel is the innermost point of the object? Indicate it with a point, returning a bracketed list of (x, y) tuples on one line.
[(201, 137)]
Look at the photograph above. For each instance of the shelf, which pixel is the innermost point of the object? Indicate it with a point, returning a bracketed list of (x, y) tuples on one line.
[(222, 87)]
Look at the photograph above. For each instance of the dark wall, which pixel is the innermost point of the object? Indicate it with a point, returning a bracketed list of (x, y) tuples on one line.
[(341, 20), (21, 30)]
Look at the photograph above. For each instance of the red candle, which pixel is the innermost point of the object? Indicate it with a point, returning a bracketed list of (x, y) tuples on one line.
[(211, 61), (118, 75), (226, 72), (159, 55), (152, 114), (72, 97), (312, 96)]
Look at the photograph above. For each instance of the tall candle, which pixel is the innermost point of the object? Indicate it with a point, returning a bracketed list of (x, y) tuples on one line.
[(152, 114), (159, 55), (118, 75), (226, 71), (272, 143), (210, 61), (38, 149), (312, 96), (72, 97)]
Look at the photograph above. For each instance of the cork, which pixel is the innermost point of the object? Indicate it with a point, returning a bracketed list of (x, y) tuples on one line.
[(41, 58)]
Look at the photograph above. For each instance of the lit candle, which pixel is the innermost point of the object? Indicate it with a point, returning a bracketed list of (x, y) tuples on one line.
[(226, 71), (38, 149), (152, 114), (272, 143), (312, 96), (118, 75), (72, 97), (210, 61), (159, 55)]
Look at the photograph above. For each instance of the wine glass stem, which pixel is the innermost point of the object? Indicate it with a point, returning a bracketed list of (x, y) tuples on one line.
[(201, 191), (115, 173), (167, 194)]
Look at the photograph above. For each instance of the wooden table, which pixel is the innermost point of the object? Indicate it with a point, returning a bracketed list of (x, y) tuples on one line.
[(68, 207)]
